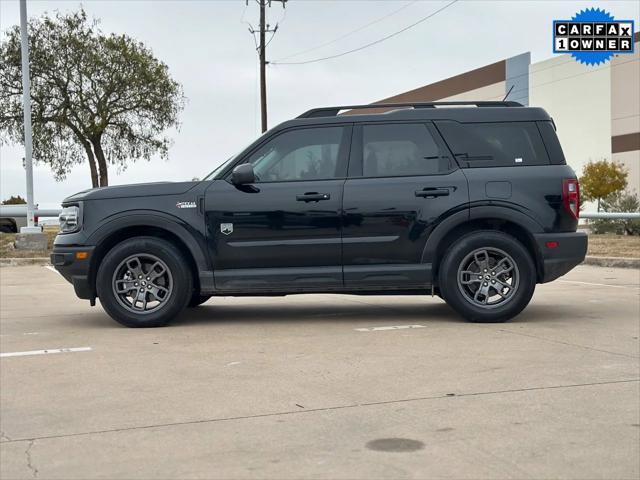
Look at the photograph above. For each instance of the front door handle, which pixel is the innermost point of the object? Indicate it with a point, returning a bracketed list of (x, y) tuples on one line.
[(432, 192), (313, 197)]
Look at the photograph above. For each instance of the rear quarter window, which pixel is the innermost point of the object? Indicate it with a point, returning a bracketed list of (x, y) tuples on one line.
[(494, 144), (548, 132)]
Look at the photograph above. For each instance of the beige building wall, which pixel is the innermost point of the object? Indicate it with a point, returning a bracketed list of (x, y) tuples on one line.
[(625, 94), (578, 98), (625, 114), (490, 92), (631, 160)]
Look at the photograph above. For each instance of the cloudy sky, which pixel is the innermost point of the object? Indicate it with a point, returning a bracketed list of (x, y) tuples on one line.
[(209, 50)]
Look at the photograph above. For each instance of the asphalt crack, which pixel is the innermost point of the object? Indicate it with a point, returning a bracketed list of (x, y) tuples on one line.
[(545, 339), (30, 465), (322, 409)]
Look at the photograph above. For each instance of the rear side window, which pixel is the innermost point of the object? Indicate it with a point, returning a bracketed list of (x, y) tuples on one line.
[(494, 144), (395, 150), (548, 132)]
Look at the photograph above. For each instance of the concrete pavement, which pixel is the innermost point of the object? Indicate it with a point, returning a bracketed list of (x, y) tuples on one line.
[(316, 386)]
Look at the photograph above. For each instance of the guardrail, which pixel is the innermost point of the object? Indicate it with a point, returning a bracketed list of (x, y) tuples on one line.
[(609, 215), (20, 211)]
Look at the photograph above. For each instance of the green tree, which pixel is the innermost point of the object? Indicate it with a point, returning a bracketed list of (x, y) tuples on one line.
[(96, 97), (602, 178), (14, 200)]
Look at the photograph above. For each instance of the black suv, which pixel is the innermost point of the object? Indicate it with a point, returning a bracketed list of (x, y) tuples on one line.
[(473, 202)]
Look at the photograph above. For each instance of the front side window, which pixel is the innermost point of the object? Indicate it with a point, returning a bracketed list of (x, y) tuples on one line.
[(395, 150), (303, 154)]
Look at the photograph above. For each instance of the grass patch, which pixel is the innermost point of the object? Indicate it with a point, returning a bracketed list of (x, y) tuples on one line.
[(610, 245), (7, 249)]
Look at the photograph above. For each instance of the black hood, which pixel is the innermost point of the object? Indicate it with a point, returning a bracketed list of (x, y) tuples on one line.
[(133, 190)]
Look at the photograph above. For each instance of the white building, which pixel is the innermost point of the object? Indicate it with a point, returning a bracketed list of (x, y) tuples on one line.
[(596, 108)]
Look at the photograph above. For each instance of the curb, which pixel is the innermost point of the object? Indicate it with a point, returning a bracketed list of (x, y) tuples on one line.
[(612, 262), (19, 262)]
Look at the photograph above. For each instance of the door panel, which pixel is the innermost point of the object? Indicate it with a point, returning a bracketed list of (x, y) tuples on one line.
[(275, 239), (386, 225), (402, 184), (282, 232)]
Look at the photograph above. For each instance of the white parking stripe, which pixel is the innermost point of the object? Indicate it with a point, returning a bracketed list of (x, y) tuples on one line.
[(15, 334), (392, 327), (49, 267), (599, 284), (45, 352)]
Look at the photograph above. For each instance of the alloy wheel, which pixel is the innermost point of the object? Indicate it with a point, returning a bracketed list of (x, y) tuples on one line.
[(142, 283), (488, 277)]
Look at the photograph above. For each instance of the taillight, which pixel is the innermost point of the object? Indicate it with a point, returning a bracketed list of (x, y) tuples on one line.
[(571, 196)]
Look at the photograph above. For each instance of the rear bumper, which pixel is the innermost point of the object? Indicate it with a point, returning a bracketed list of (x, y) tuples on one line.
[(75, 271), (569, 251)]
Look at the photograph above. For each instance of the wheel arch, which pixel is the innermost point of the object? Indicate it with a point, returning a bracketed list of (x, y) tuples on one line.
[(140, 224), (512, 222)]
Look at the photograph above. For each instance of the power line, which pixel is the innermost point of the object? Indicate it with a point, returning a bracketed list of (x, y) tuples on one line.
[(261, 47), (371, 43), (348, 34)]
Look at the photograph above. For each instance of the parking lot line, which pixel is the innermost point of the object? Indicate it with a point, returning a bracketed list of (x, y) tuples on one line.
[(45, 352), (632, 287), (49, 267), (391, 327)]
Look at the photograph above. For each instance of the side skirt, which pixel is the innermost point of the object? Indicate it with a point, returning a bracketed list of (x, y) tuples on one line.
[(401, 279)]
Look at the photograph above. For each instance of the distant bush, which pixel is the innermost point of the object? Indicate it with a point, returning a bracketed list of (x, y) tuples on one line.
[(619, 202), (14, 200)]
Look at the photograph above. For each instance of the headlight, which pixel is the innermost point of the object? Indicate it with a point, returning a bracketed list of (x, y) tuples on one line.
[(70, 220)]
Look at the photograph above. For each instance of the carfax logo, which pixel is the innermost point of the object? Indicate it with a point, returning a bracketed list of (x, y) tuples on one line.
[(593, 36)]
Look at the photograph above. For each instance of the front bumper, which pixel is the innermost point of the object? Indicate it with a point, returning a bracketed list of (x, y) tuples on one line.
[(75, 270), (559, 253)]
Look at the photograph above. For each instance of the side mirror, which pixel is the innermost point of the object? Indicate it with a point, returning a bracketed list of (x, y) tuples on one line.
[(243, 174)]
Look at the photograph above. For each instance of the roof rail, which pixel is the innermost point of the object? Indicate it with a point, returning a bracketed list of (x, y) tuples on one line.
[(334, 111)]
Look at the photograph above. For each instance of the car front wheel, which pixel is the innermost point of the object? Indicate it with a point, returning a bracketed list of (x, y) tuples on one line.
[(487, 276), (144, 282)]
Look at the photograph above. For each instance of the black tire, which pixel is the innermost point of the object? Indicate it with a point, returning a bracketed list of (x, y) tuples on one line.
[(7, 228), (459, 294), (179, 286), (197, 299)]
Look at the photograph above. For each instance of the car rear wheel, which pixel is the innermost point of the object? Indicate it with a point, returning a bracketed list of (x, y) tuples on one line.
[(144, 282), (487, 276)]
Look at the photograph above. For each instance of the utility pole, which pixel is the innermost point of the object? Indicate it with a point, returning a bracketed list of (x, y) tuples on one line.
[(263, 68), (264, 28), (26, 105), (30, 237)]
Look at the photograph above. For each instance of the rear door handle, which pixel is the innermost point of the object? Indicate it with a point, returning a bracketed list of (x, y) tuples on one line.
[(432, 192), (313, 197)]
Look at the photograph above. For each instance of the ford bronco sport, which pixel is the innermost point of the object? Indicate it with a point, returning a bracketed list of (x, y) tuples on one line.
[(472, 201)]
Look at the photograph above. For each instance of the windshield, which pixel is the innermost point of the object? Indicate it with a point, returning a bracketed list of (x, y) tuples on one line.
[(219, 168)]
